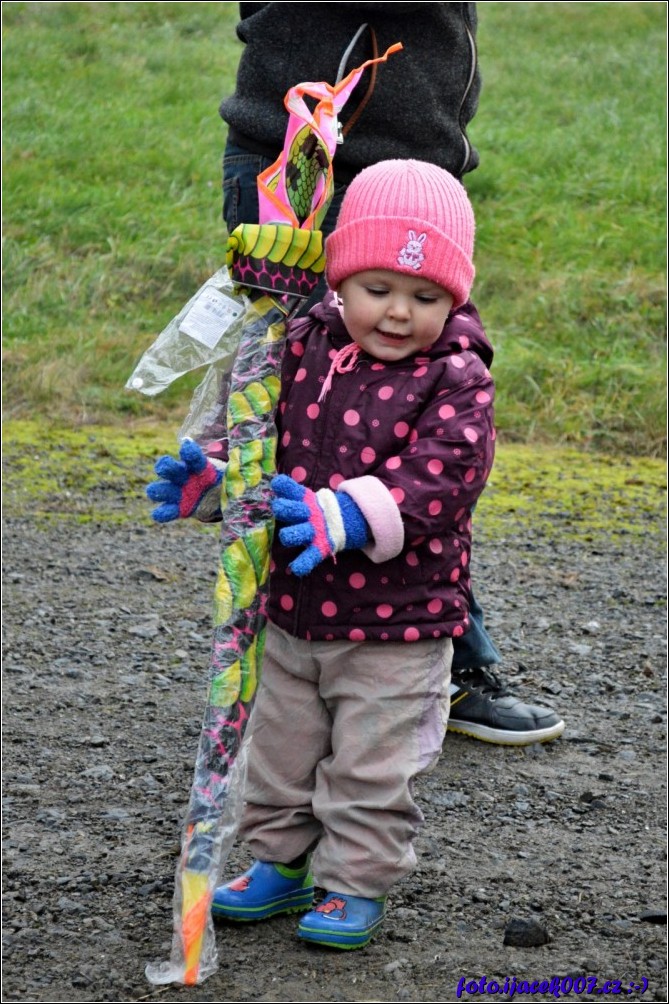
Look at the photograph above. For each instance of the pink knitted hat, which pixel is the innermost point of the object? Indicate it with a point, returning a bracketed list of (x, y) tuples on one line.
[(407, 216)]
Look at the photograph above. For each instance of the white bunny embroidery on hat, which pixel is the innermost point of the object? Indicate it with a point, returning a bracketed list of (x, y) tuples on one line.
[(412, 252)]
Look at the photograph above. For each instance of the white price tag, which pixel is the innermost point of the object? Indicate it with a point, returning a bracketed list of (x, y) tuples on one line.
[(210, 316)]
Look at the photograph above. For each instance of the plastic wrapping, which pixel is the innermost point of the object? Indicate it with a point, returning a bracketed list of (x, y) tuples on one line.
[(194, 888), (206, 330), (205, 421), (240, 601)]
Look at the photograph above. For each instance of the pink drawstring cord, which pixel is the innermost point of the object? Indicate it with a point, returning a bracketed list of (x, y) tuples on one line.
[(343, 362)]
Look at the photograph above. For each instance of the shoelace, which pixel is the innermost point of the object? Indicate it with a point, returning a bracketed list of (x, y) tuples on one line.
[(486, 680), (343, 362)]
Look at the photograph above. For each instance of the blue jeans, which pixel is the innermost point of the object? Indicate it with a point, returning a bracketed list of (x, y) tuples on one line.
[(240, 205)]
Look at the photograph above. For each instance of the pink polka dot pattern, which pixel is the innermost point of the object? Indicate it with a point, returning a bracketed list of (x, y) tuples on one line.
[(422, 428)]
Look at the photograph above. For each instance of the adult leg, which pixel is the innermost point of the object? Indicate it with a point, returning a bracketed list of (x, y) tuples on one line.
[(481, 706), (475, 647), (240, 192)]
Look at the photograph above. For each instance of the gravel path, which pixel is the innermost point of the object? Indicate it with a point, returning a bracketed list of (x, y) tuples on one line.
[(106, 644)]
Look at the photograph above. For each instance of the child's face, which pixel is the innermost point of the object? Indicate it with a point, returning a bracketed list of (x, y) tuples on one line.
[(392, 315)]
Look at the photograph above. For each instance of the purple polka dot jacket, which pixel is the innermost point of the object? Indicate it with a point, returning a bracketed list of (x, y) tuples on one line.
[(413, 443)]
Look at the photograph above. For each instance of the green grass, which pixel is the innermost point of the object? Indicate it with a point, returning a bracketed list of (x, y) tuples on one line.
[(111, 183)]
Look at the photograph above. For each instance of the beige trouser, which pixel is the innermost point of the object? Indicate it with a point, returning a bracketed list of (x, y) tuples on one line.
[(338, 733)]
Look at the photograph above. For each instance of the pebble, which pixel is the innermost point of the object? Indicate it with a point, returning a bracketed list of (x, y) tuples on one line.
[(25, 789), (579, 649), (101, 772), (523, 933)]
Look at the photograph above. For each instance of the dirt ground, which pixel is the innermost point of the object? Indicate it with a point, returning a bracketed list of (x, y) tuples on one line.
[(106, 646)]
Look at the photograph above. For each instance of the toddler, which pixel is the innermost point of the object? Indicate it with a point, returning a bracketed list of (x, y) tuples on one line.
[(386, 440)]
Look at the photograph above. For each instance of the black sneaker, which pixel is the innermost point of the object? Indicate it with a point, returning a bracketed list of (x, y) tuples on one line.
[(482, 707)]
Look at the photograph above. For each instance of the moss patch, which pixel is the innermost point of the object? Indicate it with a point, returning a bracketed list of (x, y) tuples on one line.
[(549, 492), (83, 474), (99, 474)]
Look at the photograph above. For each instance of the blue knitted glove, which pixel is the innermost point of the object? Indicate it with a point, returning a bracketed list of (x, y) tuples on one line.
[(325, 520), (189, 487)]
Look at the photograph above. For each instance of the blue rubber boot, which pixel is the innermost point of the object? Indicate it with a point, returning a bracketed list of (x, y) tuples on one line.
[(263, 891), (343, 921)]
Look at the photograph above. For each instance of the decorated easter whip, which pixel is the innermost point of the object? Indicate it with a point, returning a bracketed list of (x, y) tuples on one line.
[(277, 262)]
